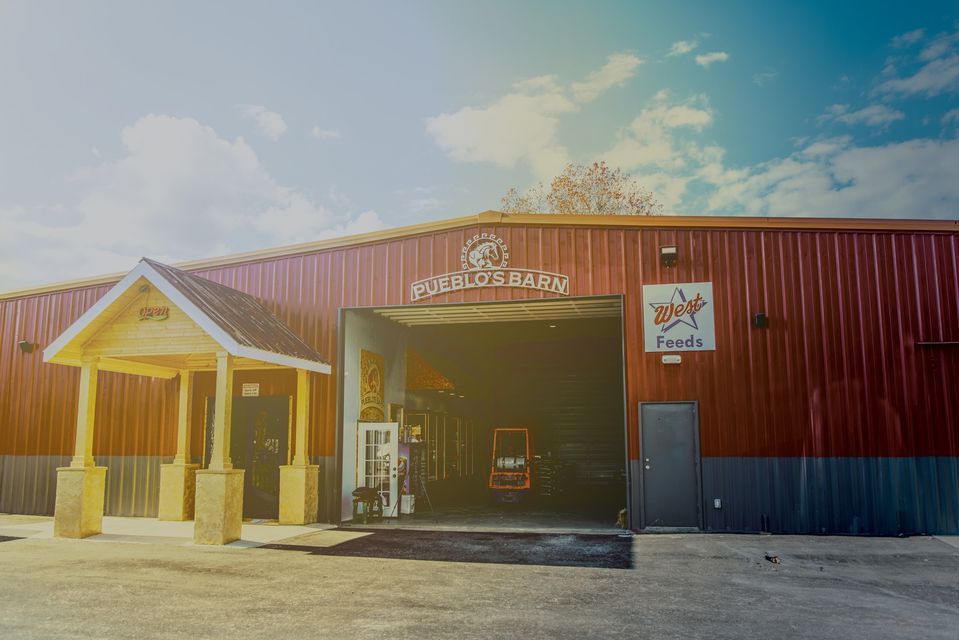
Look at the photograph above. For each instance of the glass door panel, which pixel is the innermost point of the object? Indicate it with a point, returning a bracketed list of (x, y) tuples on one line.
[(376, 460)]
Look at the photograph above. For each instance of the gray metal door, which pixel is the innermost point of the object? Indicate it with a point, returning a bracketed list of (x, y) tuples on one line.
[(670, 464)]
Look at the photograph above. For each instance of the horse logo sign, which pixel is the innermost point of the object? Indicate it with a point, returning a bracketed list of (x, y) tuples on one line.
[(484, 260), (488, 252), (678, 317)]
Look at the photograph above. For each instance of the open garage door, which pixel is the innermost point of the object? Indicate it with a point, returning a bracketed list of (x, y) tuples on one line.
[(544, 379)]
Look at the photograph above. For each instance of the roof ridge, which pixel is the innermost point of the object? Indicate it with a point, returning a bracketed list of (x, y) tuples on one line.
[(206, 282)]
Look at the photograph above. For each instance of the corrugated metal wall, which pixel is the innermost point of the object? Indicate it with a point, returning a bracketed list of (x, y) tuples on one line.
[(838, 373)]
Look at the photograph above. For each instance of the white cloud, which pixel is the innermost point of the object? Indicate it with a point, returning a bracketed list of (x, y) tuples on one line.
[(178, 192), (826, 147), (518, 127), (324, 134), (874, 115), (939, 46), (664, 149), (682, 47), (951, 116), (903, 179), (764, 77), (706, 59), (651, 138), (908, 38), (938, 76), (659, 144), (522, 126), (269, 123), (937, 72), (423, 205), (618, 69)]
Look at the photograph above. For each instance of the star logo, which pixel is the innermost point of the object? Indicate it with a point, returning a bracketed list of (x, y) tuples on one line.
[(678, 310)]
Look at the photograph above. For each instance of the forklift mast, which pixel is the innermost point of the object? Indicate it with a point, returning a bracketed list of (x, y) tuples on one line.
[(509, 479)]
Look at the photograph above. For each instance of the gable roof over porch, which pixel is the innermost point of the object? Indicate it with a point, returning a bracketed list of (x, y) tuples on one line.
[(225, 319)]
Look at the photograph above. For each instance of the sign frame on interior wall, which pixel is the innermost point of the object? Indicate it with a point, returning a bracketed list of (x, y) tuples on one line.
[(485, 259), (678, 317), (372, 383)]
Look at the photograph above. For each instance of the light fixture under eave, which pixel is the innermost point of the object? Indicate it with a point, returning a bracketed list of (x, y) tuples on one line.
[(552, 326), (462, 396), (668, 255)]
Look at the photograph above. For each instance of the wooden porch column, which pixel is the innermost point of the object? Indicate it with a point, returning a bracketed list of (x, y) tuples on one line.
[(222, 413), (300, 458), (219, 489), (300, 481), (178, 480), (86, 412), (78, 512), (183, 418)]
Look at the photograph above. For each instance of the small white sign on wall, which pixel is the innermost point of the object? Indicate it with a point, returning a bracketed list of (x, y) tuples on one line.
[(251, 389), (678, 317)]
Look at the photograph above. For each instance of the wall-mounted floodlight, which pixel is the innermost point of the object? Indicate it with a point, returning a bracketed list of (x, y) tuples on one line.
[(669, 255), (26, 346), (760, 320)]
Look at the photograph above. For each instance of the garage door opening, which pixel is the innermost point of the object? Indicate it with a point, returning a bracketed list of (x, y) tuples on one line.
[(543, 380)]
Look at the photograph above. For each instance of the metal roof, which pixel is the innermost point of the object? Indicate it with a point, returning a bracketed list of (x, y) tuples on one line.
[(236, 321), (241, 315)]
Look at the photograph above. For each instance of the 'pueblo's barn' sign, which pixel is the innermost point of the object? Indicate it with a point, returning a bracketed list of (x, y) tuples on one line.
[(678, 317), (484, 259)]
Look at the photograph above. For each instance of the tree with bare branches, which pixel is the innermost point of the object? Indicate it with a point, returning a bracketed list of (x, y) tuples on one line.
[(585, 189)]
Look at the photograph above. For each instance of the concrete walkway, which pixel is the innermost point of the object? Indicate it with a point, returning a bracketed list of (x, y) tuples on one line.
[(153, 531)]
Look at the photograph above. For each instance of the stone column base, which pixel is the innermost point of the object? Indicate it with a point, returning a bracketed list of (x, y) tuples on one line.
[(299, 493), (219, 506), (177, 490), (79, 508)]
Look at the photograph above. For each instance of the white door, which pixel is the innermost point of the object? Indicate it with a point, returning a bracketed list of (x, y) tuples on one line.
[(376, 458)]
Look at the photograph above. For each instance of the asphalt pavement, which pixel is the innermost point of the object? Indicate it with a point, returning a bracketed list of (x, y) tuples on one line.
[(675, 586)]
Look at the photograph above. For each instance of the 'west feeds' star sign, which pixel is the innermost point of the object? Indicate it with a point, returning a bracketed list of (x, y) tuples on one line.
[(678, 317), (684, 311)]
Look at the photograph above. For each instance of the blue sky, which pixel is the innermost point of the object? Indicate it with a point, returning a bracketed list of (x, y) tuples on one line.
[(187, 130)]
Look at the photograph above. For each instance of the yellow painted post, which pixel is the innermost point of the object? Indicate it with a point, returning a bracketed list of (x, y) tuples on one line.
[(86, 412), (178, 480), (301, 458), (78, 511), (300, 481), (220, 457), (219, 489), (183, 422)]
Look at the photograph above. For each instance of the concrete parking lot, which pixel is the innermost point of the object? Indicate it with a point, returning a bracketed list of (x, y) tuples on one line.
[(147, 584)]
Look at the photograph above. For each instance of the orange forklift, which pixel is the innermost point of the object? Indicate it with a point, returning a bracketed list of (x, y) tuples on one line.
[(509, 478)]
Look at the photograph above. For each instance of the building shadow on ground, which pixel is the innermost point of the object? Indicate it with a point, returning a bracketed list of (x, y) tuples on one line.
[(548, 549)]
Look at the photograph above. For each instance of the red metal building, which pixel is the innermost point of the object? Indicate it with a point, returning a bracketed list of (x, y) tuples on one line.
[(828, 403)]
